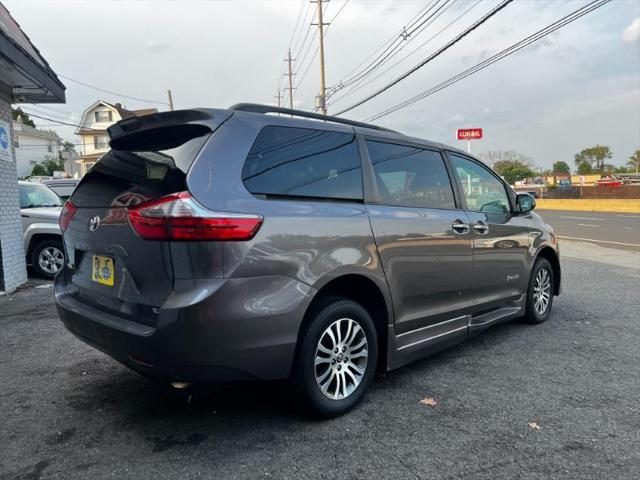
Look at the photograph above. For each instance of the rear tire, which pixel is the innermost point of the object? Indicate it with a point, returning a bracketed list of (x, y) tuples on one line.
[(47, 258), (336, 359), (540, 292)]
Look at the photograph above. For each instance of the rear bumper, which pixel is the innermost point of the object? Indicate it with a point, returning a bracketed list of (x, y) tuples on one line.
[(224, 337)]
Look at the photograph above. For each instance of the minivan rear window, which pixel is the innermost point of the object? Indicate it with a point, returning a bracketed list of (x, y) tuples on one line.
[(302, 162), (143, 167)]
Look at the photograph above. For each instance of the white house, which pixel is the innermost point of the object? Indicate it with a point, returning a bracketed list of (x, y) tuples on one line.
[(93, 130), (33, 146)]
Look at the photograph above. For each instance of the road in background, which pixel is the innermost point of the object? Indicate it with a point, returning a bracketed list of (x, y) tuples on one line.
[(612, 230)]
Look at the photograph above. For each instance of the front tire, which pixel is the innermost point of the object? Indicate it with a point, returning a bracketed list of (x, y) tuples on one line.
[(540, 292), (47, 258), (336, 360)]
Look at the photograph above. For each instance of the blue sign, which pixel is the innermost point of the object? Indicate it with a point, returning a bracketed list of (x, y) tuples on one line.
[(4, 138)]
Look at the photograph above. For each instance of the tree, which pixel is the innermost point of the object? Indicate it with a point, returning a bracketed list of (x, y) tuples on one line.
[(513, 170), (48, 166), (67, 146), (17, 113), (39, 171), (594, 156), (584, 168), (561, 167), (634, 161), (622, 169), (510, 165), (492, 156)]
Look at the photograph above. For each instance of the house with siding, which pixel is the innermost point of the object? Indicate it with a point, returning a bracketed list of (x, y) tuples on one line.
[(33, 146), (93, 130)]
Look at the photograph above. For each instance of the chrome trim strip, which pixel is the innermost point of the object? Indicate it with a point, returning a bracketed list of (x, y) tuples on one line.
[(431, 326), (432, 338)]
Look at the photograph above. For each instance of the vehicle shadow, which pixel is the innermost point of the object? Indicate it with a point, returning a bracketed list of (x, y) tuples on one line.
[(138, 404)]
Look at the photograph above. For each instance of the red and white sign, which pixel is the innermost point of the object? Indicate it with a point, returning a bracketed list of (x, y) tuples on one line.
[(469, 133)]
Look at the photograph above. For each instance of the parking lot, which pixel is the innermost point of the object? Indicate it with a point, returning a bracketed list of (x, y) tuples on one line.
[(559, 400)]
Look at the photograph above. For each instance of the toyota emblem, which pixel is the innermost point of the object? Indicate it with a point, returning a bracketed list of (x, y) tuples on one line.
[(94, 223)]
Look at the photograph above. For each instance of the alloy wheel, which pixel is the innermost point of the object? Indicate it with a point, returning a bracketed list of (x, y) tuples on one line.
[(341, 358), (542, 291), (51, 260)]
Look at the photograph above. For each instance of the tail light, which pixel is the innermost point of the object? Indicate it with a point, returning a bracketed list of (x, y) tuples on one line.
[(179, 217), (68, 211)]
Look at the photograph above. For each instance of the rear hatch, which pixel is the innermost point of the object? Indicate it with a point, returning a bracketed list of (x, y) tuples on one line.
[(110, 266)]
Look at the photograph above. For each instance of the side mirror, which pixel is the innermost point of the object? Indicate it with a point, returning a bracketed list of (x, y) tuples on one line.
[(525, 202)]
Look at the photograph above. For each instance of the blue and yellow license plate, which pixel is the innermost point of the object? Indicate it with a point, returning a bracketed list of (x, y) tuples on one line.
[(103, 270)]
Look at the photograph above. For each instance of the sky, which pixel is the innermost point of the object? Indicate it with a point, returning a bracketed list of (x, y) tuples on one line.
[(574, 89)]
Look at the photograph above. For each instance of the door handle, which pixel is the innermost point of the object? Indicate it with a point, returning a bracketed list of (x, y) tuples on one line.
[(460, 227), (481, 228)]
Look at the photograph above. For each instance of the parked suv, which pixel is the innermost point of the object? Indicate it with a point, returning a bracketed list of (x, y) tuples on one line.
[(40, 211), (63, 187), (229, 245)]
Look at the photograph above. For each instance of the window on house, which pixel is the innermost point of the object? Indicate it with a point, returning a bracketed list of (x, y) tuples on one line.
[(100, 142), (49, 148), (104, 116)]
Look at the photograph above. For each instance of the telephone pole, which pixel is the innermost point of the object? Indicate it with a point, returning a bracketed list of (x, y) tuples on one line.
[(322, 100), (279, 98), (170, 98), (290, 75)]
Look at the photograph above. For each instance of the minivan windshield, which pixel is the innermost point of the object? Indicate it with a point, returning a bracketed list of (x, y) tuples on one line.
[(36, 195)]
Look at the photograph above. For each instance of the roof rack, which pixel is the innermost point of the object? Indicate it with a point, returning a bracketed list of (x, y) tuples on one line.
[(259, 108)]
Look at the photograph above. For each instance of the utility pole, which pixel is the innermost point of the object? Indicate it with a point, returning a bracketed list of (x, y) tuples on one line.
[(170, 98), (290, 75), (321, 102), (279, 98)]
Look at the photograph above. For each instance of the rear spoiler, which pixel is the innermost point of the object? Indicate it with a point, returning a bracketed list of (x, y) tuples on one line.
[(164, 127), (159, 120)]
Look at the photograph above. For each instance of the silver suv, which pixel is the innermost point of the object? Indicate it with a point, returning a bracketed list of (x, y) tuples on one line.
[(40, 210), (231, 245)]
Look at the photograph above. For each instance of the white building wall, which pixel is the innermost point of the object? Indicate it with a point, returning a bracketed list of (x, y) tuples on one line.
[(13, 267), (31, 148)]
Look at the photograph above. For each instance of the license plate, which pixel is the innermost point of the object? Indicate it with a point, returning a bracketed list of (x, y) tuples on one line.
[(103, 271)]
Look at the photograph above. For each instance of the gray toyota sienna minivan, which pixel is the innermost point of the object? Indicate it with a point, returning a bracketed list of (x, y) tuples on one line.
[(228, 245)]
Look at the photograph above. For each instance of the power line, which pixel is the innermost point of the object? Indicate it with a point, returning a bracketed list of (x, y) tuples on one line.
[(294, 47), (54, 120), (112, 92), (295, 27), (406, 37), (307, 52), (384, 46), (318, 47), (56, 116), (46, 107), (339, 11), (573, 16), (442, 49), (355, 88), (293, 35)]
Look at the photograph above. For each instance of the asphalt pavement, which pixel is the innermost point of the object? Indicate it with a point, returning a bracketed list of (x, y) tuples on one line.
[(558, 400), (613, 230)]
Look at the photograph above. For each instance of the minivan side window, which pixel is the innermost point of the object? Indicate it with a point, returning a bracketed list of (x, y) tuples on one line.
[(409, 176), (482, 190), (289, 161)]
